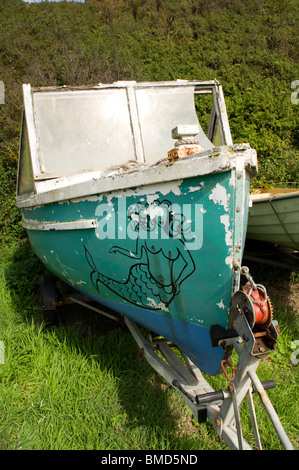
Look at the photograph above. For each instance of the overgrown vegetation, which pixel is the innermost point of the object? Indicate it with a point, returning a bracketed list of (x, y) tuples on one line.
[(61, 389), (250, 47), (58, 389)]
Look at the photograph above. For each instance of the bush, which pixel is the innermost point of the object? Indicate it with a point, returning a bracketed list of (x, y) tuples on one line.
[(250, 47)]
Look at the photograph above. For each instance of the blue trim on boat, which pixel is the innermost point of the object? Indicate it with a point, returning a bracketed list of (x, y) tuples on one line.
[(195, 340)]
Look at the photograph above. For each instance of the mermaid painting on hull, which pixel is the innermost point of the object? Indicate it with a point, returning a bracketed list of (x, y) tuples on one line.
[(161, 261)]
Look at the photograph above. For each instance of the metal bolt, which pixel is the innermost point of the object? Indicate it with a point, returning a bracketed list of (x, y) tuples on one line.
[(237, 266), (217, 439), (231, 388), (262, 349), (218, 422)]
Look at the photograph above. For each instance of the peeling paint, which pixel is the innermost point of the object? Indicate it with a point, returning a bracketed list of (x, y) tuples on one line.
[(224, 219), (150, 191), (221, 304), (154, 211), (154, 305), (78, 283), (220, 196), (229, 260), (150, 198), (192, 189)]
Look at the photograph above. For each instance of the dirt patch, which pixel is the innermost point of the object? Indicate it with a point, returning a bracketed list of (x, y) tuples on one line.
[(287, 294), (66, 307), (85, 321)]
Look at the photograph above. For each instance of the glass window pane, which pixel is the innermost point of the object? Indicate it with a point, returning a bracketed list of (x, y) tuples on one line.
[(82, 130), (161, 110)]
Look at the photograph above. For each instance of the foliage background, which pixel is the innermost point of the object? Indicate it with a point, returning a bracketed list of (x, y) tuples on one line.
[(250, 47), (63, 390)]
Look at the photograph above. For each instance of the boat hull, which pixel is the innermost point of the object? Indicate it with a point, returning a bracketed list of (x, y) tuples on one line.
[(161, 254), (274, 218)]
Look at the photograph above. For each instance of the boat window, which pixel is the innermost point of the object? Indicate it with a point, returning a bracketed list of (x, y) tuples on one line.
[(160, 110), (208, 113), (25, 173), (203, 105), (95, 129), (83, 130)]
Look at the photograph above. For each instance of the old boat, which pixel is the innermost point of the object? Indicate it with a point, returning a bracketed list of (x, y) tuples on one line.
[(274, 217), (126, 198)]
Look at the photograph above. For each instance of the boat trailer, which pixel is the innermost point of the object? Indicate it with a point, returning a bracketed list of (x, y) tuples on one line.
[(253, 336), (221, 408)]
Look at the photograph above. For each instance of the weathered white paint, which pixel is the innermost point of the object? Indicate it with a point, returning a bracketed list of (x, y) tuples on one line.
[(150, 191), (192, 189), (74, 225), (154, 211), (93, 187), (221, 304), (229, 260), (153, 304), (220, 196), (224, 219), (33, 141)]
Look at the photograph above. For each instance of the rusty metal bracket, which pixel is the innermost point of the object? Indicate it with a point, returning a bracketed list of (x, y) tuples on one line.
[(224, 365)]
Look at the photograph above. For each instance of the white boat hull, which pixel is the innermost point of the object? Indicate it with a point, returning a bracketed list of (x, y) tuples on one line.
[(274, 218)]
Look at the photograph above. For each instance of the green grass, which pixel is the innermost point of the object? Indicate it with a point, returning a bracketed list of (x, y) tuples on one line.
[(61, 389)]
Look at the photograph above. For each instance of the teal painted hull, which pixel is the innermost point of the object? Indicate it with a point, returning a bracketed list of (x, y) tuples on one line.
[(162, 255)]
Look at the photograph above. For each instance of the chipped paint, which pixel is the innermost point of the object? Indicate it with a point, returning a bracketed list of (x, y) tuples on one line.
[(150, 198), (151, 191), (220, 196), (232, 180), (229, 260), (153, 304), (78, 283), (221, 304), (224, 219), (93, 186), (154, 211), (192, 189)]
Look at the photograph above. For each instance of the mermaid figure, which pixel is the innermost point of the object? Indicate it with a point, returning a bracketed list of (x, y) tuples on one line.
[(159, 265)]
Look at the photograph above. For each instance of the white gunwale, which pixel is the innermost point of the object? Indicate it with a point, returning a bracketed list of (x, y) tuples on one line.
[(89, 184)]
